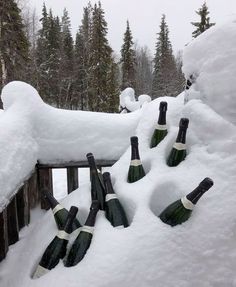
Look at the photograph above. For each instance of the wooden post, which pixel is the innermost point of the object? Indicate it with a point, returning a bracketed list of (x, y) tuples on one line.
[(12, 222), (33, 191), (72, 179), (3, 234), (23, 210), (45, 183)]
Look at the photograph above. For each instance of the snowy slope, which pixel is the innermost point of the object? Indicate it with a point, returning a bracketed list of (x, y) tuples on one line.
[(200, 252)]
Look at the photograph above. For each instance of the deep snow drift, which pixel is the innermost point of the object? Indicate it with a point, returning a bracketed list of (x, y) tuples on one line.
[(200, 252), (210, 59)]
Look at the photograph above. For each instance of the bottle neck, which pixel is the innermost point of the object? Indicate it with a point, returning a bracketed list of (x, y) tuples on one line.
[(162, 118), (195, 195), (108, 186), (181, 137), (90, 221), (134, 152), (68, 225), (51, 199)]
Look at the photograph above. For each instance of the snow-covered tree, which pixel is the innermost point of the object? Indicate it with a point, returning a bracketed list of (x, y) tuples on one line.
[(14, 45), (128, 61), (204, 23), (143, 70), (48, 57), (100, 63), (165, 71), (82, 60), (66, 63)]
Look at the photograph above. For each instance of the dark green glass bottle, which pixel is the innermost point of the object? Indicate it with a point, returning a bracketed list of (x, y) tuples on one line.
[(83, 240), (180, 210), (136, 170), (56, 250), (178, 152), (97, 187), (60, 213), (113, 209), (161, 128)]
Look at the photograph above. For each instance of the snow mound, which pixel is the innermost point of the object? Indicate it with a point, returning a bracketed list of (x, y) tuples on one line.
[(128, 102), (199, 252), (210, 59), (32, 130)]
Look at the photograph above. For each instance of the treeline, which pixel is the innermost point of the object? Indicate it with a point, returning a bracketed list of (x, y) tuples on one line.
[(84, 73)]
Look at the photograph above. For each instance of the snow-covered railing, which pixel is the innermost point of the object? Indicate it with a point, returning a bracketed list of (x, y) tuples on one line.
[(35, 138), (16, 214)]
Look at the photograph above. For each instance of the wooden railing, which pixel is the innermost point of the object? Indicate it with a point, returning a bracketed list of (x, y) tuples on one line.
[(16, 214)]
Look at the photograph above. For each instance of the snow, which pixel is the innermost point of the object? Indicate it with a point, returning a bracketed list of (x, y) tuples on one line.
[(210, 58), (32, 130), (201, 251), (128, 101)]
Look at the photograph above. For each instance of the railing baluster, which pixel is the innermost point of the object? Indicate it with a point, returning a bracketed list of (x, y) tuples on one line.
[(72, 179), (33, 191), (3, 234), (23, 210), (45, 183), (12, 222)]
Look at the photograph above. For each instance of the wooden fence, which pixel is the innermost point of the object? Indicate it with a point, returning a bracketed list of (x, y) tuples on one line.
[(16, 214)]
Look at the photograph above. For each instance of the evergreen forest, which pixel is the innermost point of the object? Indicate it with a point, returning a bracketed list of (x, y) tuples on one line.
[(84, 72)]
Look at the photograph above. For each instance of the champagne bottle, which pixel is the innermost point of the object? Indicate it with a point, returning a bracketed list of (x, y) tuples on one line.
[(113, 209), (180, 210), (178, 152), (83, 240), (136, 170), (161, 129), (56, 250), (97, 187), (60, 213)]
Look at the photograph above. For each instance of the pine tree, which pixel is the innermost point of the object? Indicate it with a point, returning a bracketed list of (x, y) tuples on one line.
[(66, 64), (143, 70), (14, 45), (204, 23), (48, 57), (100, 62), (165, 71), (127, 61), (82, 59)]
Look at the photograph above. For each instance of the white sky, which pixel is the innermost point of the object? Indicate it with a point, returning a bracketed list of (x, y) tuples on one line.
[(144, 17)]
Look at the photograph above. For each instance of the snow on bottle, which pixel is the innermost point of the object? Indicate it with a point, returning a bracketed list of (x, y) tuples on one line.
[(113, 209), (161, 128), (136, 170), (83, 240), (56, 250), (178, 152), (180, 210), (97, 187), (60, 213)]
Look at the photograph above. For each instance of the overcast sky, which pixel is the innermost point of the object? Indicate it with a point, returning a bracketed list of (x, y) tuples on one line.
[(144, 17)]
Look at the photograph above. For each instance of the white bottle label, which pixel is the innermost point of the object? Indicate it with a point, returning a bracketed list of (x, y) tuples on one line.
[(187, 203), (57, 208), (63, 235), (110, 196), (40, 271), (135, 162), (179, 146), (161, 127), (88, 229)]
